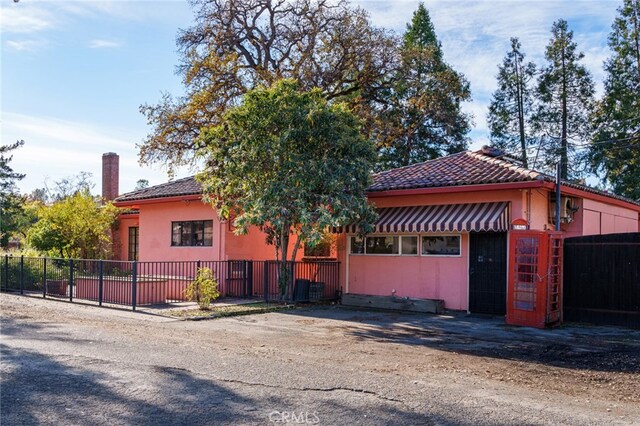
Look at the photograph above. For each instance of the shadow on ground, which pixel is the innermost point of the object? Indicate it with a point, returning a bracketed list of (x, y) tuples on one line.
[(571, 346)]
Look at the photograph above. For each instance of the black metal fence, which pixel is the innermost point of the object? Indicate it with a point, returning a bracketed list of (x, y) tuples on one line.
[(602, 279), (151, 283)]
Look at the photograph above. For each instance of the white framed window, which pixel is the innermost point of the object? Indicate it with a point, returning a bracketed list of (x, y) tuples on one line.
[(441, 245), (395, 245), (409, 245)]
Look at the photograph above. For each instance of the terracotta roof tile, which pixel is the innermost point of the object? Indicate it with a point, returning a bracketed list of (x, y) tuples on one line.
[(184, 186), (464, 168)]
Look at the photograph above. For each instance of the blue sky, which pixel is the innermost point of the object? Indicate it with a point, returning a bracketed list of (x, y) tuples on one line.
[(74, 73)]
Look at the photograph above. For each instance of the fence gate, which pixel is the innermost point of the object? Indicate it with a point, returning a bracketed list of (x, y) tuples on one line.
[(602, 279)]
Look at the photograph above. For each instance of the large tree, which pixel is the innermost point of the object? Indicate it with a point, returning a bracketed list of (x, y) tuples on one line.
[(237, 45), (421, 115), (565, 94), (11, 203), (615, 152), (290, 163), (512, 103), (76, 227)]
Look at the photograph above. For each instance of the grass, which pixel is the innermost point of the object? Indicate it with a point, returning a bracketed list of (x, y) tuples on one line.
[(227, 311)]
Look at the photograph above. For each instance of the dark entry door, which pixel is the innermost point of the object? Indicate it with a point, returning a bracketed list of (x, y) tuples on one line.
[(488, 272)]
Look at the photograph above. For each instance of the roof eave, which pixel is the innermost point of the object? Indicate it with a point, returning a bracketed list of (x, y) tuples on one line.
[(155, 200), (456, 188)]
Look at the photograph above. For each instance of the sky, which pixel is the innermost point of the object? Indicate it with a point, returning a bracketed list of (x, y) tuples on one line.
[(74, 73)]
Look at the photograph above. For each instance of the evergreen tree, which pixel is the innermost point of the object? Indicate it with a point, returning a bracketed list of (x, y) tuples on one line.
[(422, 114), (512, 104), (565, 95), (11, 202), (615, 152)]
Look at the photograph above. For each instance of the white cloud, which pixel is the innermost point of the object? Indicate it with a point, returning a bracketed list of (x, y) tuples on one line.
[(16, 18), (25, 45), (56, 148), (101, 44)]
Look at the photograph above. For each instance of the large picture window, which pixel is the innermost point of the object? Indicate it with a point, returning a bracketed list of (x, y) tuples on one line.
[(441, 245), (406, 245), (192, 233)]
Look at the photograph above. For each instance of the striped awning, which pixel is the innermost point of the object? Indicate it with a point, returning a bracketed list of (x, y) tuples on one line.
[(441, 218)]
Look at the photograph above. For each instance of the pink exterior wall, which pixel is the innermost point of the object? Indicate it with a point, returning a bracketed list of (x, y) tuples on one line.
[(155, 231), (121, 246), (601, 218), (430, 277), (155, 220), (425, 277)]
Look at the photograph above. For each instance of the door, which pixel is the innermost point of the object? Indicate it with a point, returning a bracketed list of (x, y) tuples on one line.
[(488, 272)]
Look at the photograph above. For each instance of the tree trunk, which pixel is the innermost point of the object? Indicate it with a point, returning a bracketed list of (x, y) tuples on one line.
[(564, 157), (520, 101), (283, 278)]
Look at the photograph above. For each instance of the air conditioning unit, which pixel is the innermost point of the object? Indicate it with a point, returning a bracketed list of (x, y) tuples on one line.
[(568, 208)]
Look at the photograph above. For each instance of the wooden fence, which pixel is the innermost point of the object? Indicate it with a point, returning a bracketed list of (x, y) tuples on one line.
[(602, 279)]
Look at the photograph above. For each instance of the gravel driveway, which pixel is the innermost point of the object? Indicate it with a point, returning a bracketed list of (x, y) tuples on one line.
[(67, 363)]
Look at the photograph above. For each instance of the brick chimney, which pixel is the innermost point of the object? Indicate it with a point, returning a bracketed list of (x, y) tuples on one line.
[(110, 175)]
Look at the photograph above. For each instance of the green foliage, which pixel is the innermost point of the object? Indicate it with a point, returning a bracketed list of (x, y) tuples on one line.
[(615, 153), (288, 162), (11, 203), (325, 44), (512, 104), (75, 227), (204, 289), (566, 94), (421, 118)]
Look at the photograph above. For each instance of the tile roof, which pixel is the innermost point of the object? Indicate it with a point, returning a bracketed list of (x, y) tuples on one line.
[(463, 168), (468, 168), (184, 186)]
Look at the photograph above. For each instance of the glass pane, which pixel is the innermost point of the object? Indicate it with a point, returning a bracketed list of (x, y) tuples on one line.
[(382, 245), (185, 235), (409, 244), (176, 232), (441, 245), (198, 233), (208, 233), (357, 245)]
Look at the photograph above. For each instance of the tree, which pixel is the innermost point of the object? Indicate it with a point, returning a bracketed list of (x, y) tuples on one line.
[(11, 203), (565, 93), (512, 104), (69, 186), (142, 184), (290, 163), (615, 152), (421, 116), (75, 227), (237, 45)]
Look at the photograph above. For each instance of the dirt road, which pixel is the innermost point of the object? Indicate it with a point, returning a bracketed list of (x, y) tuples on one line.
[(72, 364)]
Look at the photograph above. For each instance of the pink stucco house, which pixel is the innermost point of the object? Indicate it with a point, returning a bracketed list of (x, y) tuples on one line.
[(442, 231)]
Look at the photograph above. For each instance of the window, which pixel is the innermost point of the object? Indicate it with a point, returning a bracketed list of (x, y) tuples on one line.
[(134, 241), (382, 245), (357, 245), (192, 233), (409, 245), (441, 245), (321, 250)]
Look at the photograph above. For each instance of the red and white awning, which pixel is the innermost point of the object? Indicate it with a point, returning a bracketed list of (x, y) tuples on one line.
[(441, 218)]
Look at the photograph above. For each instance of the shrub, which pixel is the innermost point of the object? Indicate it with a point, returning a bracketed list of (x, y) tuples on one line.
[(203, 289)]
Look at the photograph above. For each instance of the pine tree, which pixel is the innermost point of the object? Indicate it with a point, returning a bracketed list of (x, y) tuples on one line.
[(565, 94), (512, 104), (615, 152), (422, 114)]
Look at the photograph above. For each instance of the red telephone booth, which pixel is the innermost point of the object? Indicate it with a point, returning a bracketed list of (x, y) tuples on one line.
[(534, 290)]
